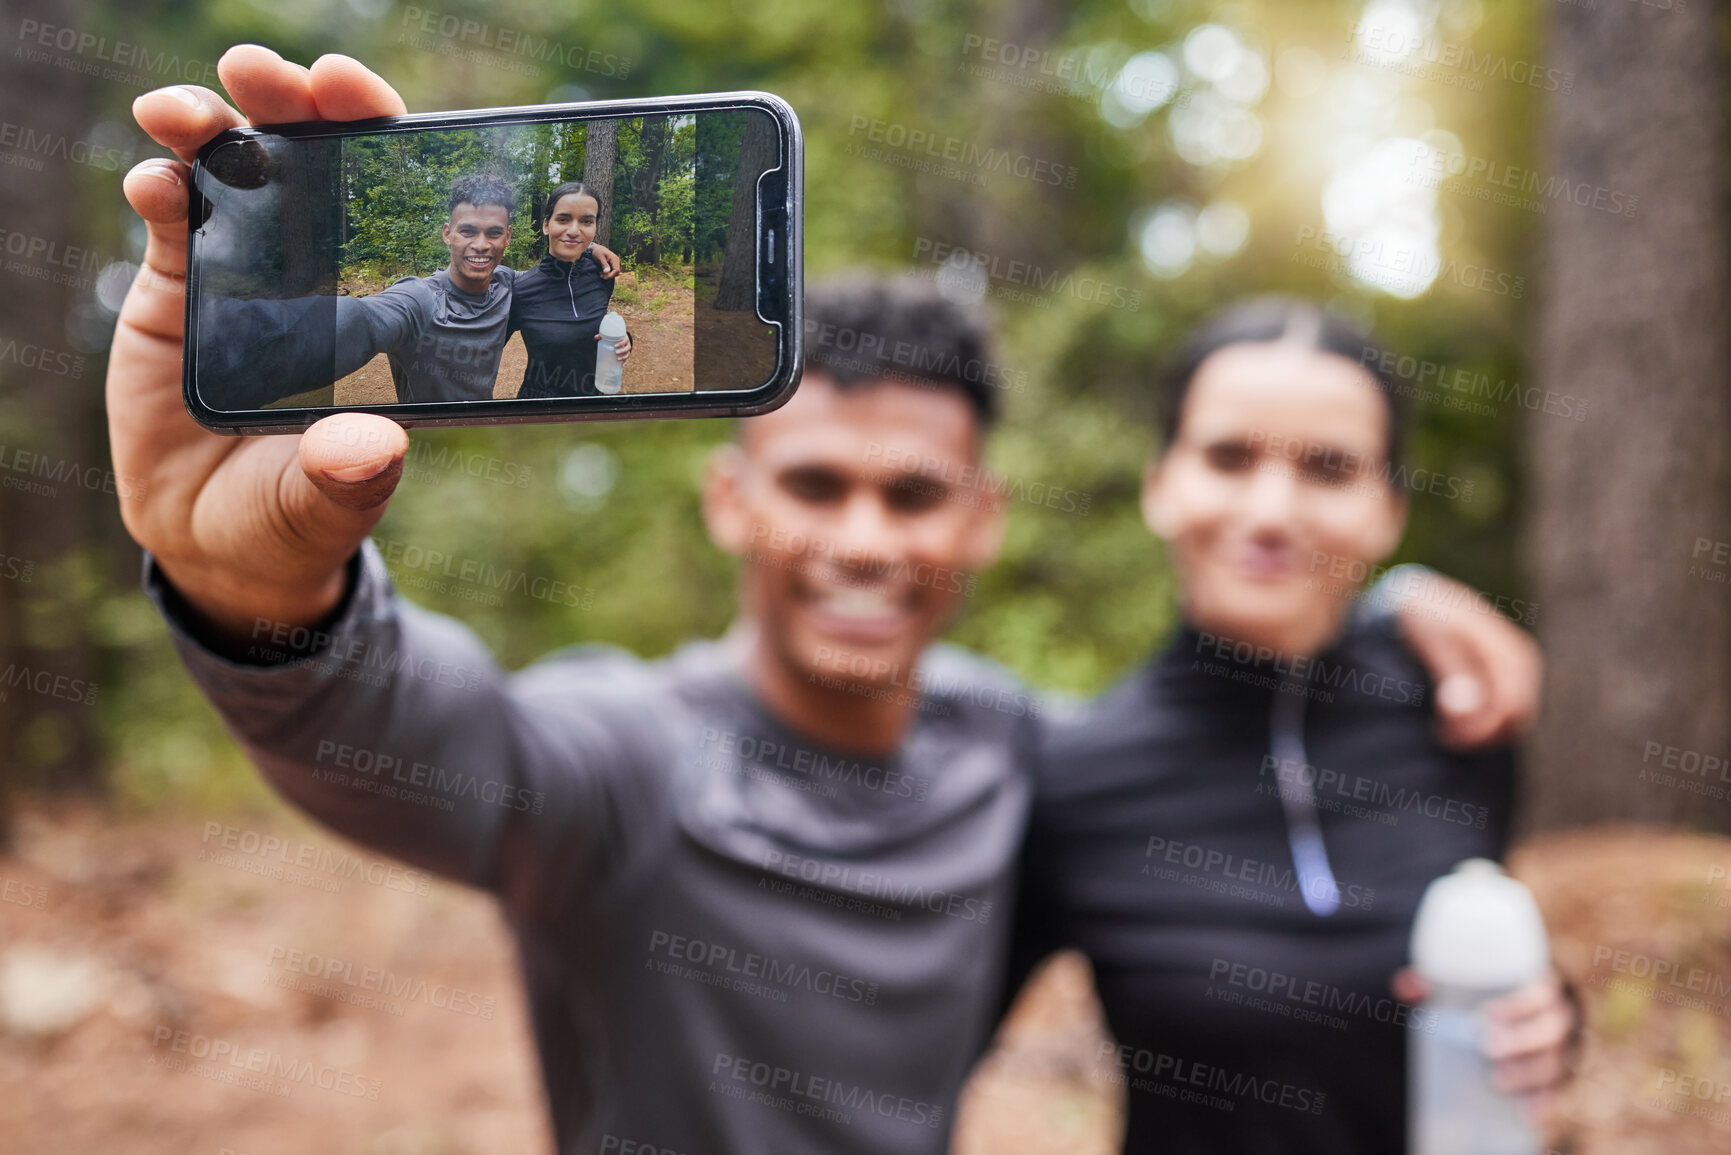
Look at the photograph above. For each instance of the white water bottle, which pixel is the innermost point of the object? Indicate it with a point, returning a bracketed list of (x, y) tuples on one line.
[(609, 373), (1478, 935)]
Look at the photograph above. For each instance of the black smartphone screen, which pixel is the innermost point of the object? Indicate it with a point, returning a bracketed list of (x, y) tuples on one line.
[(455, 273)]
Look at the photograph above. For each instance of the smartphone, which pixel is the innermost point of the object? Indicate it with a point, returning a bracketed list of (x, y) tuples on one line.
[(447, 268)]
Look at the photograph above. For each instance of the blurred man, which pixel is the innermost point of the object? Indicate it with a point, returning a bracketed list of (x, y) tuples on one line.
[(757, 887)]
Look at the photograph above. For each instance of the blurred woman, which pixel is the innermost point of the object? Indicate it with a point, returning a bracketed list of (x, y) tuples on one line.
[(1239, 832), (558, 304)]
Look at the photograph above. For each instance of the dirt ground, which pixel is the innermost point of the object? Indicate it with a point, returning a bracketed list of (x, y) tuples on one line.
[(172, 933), (139, 959), (1640, 923), (738, 350)]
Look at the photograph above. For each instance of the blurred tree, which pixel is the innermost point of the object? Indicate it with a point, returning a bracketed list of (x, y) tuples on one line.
[(1637, 634), (1003, 119), (50, 434)]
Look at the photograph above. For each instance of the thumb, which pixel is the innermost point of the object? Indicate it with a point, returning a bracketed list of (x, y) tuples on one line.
[(352, 461)]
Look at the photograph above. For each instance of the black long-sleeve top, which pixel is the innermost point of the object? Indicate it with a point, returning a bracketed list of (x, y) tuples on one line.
[(558, 306), (1246, 1023)]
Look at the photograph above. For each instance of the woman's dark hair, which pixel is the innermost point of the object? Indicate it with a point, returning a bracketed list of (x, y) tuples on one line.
[(559, 193), (1262, 320)]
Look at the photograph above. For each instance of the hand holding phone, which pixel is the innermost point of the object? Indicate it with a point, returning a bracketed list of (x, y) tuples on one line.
[(248, 529)]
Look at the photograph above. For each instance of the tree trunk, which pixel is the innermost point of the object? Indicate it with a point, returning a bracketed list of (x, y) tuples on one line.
[(600, 154), (1631, 503), (51, 447), (647, 194), (738, 287), (1006, 218)]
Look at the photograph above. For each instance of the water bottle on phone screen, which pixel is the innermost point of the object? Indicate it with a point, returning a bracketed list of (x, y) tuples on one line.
[(1478, 935), (609, 373)]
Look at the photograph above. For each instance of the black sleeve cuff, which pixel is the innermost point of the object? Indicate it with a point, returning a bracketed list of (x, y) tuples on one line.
[(281, 646)]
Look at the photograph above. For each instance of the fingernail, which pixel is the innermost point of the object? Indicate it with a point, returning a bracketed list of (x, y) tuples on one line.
[(1460, 694), (185, 95), (159, 170), (364, 471)]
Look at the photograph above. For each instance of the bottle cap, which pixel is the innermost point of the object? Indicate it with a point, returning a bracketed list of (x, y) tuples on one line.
[(613, 325), (1480, 929)]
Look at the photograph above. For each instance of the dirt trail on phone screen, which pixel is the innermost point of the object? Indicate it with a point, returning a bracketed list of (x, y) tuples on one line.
[(250, 985), (659, 321)]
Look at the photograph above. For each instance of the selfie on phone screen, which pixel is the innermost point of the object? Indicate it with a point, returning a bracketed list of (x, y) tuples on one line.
[(545, 262)]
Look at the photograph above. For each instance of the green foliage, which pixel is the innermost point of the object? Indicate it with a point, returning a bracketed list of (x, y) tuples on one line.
[(717, 161), (653, 188), (1077, 598), (397, 189)]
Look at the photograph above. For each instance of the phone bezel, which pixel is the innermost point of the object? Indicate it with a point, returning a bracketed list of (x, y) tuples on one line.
[(623, 407)]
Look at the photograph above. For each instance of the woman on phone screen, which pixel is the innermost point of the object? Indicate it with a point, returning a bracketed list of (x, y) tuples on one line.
[(558, 304)]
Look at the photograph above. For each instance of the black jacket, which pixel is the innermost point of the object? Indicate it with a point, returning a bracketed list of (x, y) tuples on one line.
[(558, 306), (1247, 1024)]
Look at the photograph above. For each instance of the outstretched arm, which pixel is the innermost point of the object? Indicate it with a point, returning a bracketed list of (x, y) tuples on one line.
[(254, 351), (390, 724), (394, 727)]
